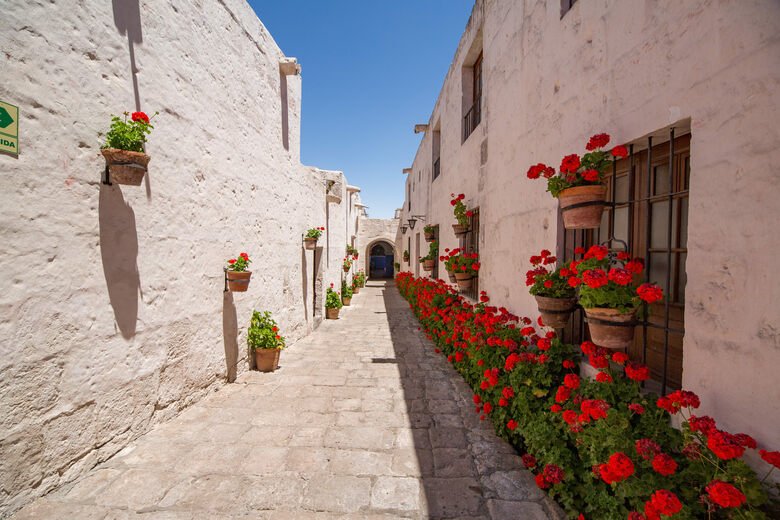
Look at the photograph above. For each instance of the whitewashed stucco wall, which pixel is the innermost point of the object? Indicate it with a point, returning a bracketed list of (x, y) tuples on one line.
[(113, 313), (632, 67), (370, 232)]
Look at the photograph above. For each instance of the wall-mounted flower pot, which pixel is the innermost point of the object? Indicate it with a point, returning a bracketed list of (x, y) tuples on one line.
[(609, 328), (238, 281), (555, 311), (582, 206), (332, 314), (460, 230), (451, 276), (346, 269), (464, 281), (428, 265), (429, 237), (125, 167), (310, 243), (346, 301), (267, 359)]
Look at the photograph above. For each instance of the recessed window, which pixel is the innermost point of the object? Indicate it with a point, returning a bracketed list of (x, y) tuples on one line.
[(566, 5), (473, 115), (436, 147)]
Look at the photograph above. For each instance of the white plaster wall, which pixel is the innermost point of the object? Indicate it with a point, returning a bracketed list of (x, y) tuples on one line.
[(113, 313), (629, 68), (371, 231)]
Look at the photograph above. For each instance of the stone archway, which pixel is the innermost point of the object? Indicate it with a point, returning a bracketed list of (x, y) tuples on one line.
[(380, 257)]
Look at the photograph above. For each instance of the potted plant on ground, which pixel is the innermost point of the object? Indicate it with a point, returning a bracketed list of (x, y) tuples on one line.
[(346, 293), (429, 261), (611, 294), (237, 275), (579, 184), (124, 148), (465, 266), (264, 339), (406, 256), (311, 237), (555, 298), (360, 280), (429, 232), (347, 264), (462, 214), (333, 304), (449, 263)]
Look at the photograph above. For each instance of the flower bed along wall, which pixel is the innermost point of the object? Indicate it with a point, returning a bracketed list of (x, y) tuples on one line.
[(601, 448)]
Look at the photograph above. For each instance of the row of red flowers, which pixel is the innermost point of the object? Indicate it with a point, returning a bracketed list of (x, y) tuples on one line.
[(601, 447)]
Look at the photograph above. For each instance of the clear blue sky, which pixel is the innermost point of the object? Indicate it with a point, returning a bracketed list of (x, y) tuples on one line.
[(371, 70)]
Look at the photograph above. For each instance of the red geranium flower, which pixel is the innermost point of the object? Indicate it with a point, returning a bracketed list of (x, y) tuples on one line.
[(597, 141), (529, 461), (618, 468), (620, 276), (598, 252), (637, 372), (724, 494), (140, 116), (664, 464), (570, 163), (650, 292), (620, 151), (571, 381), (591, 175), (636, 408), (662, 502), (619, 357), (595, 278), (647, 448), (603, 377), (725, 445), (512, 424), (771, 457), (703, 424)]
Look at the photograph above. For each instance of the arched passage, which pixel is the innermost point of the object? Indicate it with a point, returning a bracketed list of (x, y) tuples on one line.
[(380, 255)]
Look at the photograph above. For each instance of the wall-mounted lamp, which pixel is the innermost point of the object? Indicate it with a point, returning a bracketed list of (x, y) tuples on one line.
[(403, 229), (413, 220)]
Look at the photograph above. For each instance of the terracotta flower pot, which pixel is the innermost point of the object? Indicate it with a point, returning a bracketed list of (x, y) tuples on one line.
[(451, 276), (310, 243), (464, 281), (356, 289), (609, 328), (238, 281), (267, 359), (346, 269), (332, 314), (587, 216), (460, 230), (346, 301), (124, 166), (428, 265), (555, 311), (429, 237)]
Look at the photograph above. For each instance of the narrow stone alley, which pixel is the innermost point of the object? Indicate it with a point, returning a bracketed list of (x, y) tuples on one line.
[(362, 420)]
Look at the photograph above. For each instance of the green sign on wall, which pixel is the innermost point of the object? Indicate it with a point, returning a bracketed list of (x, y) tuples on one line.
[(9, 128)]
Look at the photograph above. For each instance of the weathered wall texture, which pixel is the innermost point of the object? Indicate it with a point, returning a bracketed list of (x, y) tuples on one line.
[(113, 312), (630, 68), (371, 231)]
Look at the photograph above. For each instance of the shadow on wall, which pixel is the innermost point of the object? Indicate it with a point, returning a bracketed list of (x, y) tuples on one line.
[(127, 19), (119, 253), (230, 335)]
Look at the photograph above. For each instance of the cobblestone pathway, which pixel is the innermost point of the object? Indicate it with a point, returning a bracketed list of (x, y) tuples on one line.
[(363, 420)]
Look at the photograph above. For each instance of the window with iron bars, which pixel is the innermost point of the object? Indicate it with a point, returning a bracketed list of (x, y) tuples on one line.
[(647, 215), (474, 115), (435, 272), (469, 243)]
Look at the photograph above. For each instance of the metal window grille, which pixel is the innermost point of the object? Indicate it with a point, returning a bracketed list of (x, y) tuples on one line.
[(472, 118), (470, 244), (646, 215), (435, 272)]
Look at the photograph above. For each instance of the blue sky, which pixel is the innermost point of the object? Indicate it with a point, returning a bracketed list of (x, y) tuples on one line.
[(371, 70)]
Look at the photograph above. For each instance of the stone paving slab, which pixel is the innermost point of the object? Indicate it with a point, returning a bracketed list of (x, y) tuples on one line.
[(362, 421)]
